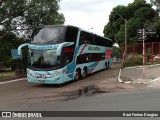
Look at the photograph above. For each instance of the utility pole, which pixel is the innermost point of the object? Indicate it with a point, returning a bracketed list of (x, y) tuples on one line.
[(143, 49), (125, 54), (125, 42)]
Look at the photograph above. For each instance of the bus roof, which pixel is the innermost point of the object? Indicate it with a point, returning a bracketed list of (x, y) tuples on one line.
[(44, 26)]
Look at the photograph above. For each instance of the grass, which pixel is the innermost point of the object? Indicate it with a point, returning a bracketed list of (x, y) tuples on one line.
[(7, 74), (152, 63)]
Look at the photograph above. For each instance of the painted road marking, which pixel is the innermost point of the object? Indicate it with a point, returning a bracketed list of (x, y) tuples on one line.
[(11, 81)]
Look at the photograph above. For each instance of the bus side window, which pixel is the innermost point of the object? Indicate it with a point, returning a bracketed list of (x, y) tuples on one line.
[(71, 34), (83, 59), (85, 38), (102, 41)]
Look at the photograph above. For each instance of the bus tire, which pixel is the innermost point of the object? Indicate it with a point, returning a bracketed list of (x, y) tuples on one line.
[(84, 73), (77, 75), (108, 65)]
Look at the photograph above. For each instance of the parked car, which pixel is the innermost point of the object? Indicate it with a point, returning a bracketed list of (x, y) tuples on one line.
[(157, 57)]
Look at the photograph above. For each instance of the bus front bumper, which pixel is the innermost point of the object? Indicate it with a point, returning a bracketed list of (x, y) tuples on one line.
[(52, 80)]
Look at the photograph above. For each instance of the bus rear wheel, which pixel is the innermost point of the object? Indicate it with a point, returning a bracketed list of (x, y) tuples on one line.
[(77, 75), (106, 66), (84, 73)]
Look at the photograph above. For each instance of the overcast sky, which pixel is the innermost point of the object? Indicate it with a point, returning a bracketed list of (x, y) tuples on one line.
[(88, 14)]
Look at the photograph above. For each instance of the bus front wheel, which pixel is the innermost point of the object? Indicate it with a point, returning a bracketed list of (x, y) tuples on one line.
[(106, 66)]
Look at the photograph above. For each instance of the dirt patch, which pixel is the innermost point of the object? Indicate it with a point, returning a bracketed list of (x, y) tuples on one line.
[(90, 90)]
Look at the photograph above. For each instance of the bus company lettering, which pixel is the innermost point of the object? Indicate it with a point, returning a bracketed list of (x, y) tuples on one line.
[(43, 47), (94, 48)]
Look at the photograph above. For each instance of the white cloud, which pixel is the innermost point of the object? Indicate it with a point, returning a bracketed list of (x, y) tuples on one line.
[(89, 13)]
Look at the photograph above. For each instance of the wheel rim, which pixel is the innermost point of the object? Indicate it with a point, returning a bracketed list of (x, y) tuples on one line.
[(76, 75), (84, 74), (106, 66)]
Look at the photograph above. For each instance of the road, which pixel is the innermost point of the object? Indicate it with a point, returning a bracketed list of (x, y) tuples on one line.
[(21, 95), (135, 100), (106, 94)]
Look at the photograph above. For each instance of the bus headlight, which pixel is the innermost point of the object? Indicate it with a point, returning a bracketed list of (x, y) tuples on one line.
[(28, 72), (48, 76)]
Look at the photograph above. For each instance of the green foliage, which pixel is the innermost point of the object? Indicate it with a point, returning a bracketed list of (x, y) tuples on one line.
[(7, 74), (138, 14), (28, 14), (154, 24), (9, 41), (133, 60), (18, 18), (117, 52), (148, 54), (156, 3)]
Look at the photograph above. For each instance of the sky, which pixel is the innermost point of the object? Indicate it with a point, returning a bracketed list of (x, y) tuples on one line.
[(91, 15)]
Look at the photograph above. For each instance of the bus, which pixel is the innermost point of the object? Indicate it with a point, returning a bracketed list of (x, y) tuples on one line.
[(61, 53)]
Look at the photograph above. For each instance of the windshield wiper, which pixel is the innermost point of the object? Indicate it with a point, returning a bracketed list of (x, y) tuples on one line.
[(36, 31)]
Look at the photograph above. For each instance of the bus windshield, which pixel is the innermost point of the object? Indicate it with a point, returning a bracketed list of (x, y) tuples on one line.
[(47, 35), (44, 59)]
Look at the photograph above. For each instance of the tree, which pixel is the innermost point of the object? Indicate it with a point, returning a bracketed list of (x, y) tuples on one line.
[(115, 22), (1, 2), (156, 3), (117, 52), (156, 21), (137, 14), (19, 17), (25, 15), (10, 41)]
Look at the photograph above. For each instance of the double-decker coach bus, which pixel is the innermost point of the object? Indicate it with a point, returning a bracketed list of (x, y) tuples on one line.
[(59, 53)]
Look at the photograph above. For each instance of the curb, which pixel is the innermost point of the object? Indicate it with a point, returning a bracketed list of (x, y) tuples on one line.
[(154, 80), (11, 81), (119, 77), (145, 82), (120, 80)]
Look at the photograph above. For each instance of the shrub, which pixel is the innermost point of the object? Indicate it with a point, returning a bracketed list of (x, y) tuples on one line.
[(133, 60)]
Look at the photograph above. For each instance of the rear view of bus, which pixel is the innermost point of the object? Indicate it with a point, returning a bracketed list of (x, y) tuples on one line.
[(58, 54)]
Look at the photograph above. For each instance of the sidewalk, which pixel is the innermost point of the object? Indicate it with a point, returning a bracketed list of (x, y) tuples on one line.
[(138, 74)]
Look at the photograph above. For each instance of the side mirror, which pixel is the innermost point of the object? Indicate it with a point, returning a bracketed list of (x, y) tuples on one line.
[(27, 40), (20, 48), (59, 48)]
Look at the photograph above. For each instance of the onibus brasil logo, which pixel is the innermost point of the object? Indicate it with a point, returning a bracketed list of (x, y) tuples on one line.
[(21, 114)]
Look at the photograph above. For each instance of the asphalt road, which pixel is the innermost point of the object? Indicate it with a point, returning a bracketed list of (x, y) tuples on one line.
[(135, 100), (21, 95), (109, 96)]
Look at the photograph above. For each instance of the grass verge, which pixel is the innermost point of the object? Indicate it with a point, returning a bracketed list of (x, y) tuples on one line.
[(7, 74)]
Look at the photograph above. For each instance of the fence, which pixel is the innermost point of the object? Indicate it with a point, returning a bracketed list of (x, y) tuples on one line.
[(152, 51)]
